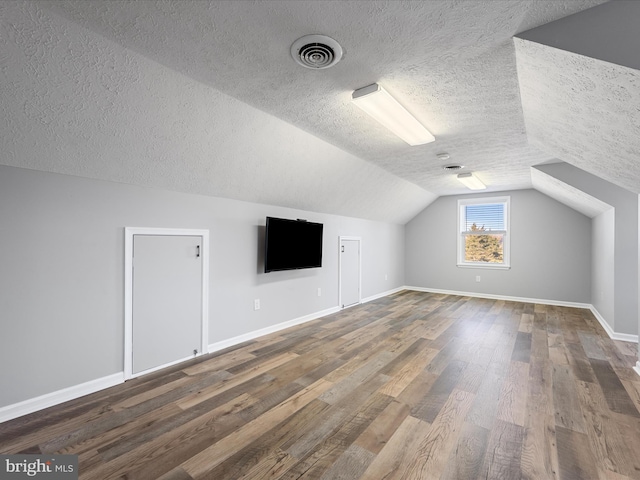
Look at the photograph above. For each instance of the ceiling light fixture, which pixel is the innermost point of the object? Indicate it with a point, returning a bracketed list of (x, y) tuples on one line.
[(471, 181), (377, 102)]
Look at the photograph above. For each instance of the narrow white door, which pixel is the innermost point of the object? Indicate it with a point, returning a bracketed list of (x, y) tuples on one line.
[(166, 301), (349, 272)]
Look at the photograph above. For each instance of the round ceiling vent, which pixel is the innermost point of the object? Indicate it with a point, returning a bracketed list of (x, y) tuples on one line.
[(316, 51), (453, 167)]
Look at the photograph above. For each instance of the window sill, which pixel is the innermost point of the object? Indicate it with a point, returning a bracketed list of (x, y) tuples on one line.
[(486, 266)]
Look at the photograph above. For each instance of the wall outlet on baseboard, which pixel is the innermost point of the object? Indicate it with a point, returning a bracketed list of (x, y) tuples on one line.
[(256, 304), (477, 278)]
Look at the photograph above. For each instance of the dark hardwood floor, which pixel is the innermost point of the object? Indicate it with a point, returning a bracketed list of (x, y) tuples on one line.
[(410, 386)]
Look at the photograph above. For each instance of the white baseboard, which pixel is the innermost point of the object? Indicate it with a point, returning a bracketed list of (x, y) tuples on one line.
[(25, 407), (166, 365), (10, 412), (603, 322), (383, 294), (625, 337), (55, 398), (230, 342), (557, 303)]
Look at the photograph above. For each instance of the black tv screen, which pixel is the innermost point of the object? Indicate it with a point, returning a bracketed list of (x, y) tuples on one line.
[(292, 244)]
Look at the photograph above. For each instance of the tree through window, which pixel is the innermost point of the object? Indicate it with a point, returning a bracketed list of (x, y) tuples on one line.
[(483, 232)]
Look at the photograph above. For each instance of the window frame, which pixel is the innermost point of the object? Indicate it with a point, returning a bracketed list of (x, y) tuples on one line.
[(506, 239)]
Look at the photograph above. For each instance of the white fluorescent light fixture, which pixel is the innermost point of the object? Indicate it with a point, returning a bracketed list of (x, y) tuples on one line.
[(471, 181), (377, 102)]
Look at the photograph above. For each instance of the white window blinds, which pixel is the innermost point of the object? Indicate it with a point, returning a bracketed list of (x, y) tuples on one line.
[(487, 217)]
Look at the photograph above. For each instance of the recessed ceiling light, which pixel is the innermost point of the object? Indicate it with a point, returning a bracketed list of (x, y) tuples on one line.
[(443, 156), (453, 166)]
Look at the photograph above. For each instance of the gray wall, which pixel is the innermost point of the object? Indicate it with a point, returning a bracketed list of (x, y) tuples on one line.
[(603, 259), (607, 32), (550, 251), (625, 203), (62, 275)]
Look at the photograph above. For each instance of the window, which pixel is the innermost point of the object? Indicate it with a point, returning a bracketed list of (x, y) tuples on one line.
[(483, 232)]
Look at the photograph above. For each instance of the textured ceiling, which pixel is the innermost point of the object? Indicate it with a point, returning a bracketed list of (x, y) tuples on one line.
[(75, 103), (86, 91), (451, 62), (584, 111)]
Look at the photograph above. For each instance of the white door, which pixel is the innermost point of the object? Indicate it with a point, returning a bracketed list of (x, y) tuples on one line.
[(349, 271), (167, 302)]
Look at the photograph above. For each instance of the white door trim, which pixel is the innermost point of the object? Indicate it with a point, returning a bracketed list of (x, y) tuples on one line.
[(359, 240), (129, 232)]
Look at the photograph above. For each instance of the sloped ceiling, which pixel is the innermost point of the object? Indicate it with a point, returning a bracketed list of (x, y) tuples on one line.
[(580, 90), (75, 103), (568, 194), (451, 62), (203, 97), (583, 111)]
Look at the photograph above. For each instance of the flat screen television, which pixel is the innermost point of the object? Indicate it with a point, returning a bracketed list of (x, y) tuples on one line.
[(292, 244)]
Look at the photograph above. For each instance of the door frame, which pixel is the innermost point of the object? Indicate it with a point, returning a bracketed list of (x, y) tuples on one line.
[(359, 240), (129, 233)]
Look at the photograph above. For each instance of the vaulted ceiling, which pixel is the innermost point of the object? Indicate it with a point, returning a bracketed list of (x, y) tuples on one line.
[(204, 97)]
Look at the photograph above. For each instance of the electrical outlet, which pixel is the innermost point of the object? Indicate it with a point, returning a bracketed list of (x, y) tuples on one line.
[(319, 292), (386, 277), (477, 278), (256, 304)]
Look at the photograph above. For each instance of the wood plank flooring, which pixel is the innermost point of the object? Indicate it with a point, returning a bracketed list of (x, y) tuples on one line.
[(410, 386)]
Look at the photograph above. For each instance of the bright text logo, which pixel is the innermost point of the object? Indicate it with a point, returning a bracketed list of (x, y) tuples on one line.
[(51, 467)]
